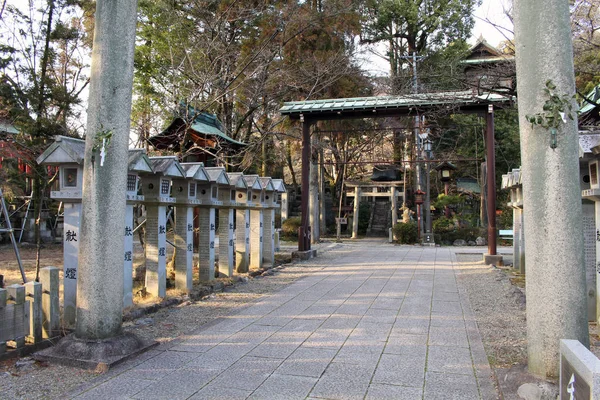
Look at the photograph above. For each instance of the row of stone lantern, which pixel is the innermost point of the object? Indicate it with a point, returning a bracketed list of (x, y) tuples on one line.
[(246, 206)]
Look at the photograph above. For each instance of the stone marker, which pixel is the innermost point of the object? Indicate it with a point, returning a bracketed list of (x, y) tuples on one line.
[(579, 372)]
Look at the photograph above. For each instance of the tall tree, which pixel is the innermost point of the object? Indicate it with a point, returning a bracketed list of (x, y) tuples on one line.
[(407, 27), (42, 58)]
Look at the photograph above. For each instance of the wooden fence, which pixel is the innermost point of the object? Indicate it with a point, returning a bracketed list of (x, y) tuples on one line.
[(30, 313)]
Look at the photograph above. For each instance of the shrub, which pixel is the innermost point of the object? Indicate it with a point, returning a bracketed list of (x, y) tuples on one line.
[(289, 228), (406, 233)]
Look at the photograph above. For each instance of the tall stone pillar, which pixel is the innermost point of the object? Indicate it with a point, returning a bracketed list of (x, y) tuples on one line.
[(284, 206), (556, 303), (184, 247), (357, 194), (72, 237), (518, 249), (156, 250), (206, 245), (128, 258), (394, 205), (269, 236), (256, 239), (242, 240), (226, 241), (100, 305)]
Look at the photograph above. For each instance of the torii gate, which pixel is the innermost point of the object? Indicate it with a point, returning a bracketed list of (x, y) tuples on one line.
[(310, 112)]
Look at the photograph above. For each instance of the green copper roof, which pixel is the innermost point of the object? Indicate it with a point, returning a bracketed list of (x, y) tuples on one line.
[(594, 96), (360, 106)]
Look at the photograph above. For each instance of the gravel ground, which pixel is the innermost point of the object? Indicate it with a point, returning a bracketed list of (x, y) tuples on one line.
[(27, 379)]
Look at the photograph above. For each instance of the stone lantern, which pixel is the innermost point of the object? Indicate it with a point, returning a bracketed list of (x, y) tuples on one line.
[(185, 191), (281, 198), (513, 182), (138, 165), (227, 197), (209, 194), (270, 204), (242, 219), (256, 204), (68, 154), (157, 196)]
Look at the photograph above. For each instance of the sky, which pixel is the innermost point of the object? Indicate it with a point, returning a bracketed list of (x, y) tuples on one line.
[(492, 10)]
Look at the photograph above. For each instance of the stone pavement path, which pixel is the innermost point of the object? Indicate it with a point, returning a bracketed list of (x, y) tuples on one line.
[(377, 322)]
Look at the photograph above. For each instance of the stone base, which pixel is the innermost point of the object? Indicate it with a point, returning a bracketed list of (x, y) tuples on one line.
[(304, 255), (493, 259), (98, 355)]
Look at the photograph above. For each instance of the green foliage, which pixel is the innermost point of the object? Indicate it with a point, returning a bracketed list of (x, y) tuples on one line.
[(104, 135), (364, 215), (448, 201), (555, 105), (406, 233), (447, 230), (289, 228)]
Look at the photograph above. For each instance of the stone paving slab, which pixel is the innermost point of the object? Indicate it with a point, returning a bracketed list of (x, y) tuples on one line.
[(378, 321)]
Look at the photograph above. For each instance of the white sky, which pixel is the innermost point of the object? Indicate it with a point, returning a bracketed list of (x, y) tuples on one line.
[(492, 10)]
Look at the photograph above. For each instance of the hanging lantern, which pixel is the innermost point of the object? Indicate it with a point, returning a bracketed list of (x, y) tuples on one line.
[(419, 197)]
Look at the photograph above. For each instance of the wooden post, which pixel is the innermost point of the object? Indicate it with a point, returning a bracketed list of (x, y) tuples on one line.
[(303, 232)]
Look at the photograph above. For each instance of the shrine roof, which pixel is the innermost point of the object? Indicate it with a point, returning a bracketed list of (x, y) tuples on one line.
[(380, 106), (199, 122)]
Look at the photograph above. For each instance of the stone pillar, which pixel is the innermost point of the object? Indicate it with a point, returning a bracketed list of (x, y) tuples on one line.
[(128, 258), (72, 220), (357, 194), (206, 244), (394, 206), (517, 239), (242, 240), (156, 250), (50, 302), (269, 236), (184, 247), (256, 239), (597, 221), (589, 243), (226, 241), (284, 206), (522, 257), (556, 303)]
